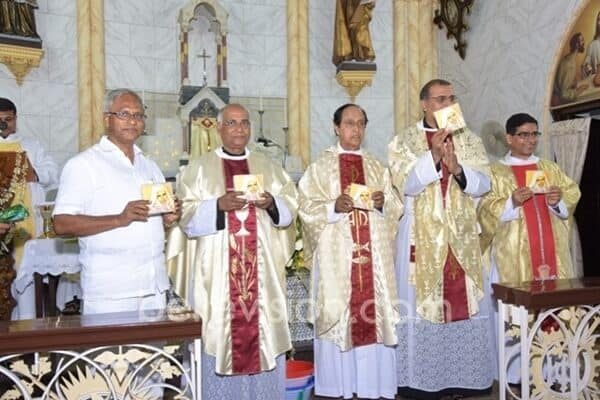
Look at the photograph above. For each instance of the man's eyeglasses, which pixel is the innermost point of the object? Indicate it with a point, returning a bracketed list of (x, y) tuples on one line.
[(127, 116), (232, 123), (354, 124), (528, 135), (442, 99)]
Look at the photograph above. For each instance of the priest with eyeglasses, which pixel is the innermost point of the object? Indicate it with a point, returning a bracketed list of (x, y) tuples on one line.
[(237, 248)]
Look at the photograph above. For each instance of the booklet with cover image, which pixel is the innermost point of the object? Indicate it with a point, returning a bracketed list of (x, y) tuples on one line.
[(160, 196), (361, 196), (450, 118), (251, 185), (537, 181)]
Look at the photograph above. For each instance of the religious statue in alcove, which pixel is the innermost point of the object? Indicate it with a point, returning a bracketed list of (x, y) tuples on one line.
[(20, 44), (17, 18), (353, 53), (352, 38)]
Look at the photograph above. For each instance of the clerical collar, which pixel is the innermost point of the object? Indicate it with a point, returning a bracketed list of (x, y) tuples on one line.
[(510, 160), (342, 151), (222, 153), (425, 126)]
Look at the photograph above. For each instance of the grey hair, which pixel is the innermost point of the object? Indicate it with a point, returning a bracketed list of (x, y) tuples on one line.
[(112, 95)]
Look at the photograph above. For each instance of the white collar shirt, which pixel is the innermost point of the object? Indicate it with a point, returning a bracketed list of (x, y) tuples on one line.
[(122, 262)]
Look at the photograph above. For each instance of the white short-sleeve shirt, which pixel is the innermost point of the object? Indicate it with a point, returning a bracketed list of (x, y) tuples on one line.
[(122, 262)]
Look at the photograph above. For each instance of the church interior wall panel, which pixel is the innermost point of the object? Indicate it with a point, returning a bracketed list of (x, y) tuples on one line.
[(62, 66), (49, 92), (117, 38), (40, 124), (142, 41), (511, 45), (138, 12), (327, 94), (62, 130), (167, 76)]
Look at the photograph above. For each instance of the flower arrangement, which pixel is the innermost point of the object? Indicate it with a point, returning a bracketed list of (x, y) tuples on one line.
[(295, 264)]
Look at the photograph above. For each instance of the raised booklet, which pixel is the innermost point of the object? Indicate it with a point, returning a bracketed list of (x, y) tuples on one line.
[(361, 196), (251, 185), (537, 181), (450, 118), (160, 196)]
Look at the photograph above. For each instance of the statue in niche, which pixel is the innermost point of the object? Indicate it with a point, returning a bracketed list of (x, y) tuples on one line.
[(352, 39), (17, 18)]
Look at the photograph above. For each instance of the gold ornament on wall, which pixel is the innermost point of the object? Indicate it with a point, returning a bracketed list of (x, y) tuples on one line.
[(453, 14), (20, 60), (355, 80)]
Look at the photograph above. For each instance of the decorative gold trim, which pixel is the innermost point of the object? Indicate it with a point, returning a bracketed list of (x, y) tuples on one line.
[(354, 81), (20, 59)]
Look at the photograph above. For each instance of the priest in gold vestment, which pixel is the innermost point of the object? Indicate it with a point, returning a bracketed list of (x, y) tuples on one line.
[(350, 251), (445, 339), (240, 249), (29, 174), (527, 233)]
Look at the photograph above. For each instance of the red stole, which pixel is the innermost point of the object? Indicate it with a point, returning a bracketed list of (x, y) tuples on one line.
[(456, 305), (243, 280), (539, 229), (362, 297)]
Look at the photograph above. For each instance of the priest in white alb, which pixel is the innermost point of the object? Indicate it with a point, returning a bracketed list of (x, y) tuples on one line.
[(238, 249), (350, 251)]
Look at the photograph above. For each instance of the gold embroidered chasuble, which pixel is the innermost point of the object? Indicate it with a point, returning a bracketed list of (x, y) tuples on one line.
[(437, 226), (329, 245), (208, 260), (509, 240), (15, 181)]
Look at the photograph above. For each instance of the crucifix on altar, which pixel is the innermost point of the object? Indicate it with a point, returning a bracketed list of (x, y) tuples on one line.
[(203, 56)]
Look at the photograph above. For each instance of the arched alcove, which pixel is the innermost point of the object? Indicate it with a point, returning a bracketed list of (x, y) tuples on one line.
[(201, 20), (573, 86)]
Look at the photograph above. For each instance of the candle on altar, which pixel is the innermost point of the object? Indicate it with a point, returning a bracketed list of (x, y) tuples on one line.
[(285, 116)]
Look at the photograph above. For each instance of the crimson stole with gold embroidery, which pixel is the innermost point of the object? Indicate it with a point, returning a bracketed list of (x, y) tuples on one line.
[(539, 228), (243, 280), (362, 297), (456, 305)]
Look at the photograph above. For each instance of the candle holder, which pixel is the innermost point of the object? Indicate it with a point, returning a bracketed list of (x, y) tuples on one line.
[(261, 134), (46, 213), (286, 142)]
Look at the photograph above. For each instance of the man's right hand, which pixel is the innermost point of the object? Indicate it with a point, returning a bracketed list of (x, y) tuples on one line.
[(437, 144), (343, 204), (231, 201), (136, 210), (521, 195)]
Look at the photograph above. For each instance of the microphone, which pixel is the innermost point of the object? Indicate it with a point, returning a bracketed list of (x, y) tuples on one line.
[(3, 126)]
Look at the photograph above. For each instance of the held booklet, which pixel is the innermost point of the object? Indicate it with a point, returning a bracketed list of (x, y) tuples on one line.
[(361, 196), (160, 196), (537, 181), (450, 118), (251, 185)]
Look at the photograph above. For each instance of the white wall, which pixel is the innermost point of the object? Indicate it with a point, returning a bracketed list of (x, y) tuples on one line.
[(47, 101), (510, 55), (511, 45), (327, 95)]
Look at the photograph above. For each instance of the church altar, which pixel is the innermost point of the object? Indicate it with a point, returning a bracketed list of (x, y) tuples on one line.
[(554, 325), (150, 354), (46, 260)]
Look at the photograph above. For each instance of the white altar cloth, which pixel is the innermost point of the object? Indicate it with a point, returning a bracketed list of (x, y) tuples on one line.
[(56, 256)]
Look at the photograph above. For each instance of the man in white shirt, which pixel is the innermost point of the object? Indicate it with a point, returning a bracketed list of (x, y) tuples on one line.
[(100, 201)]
